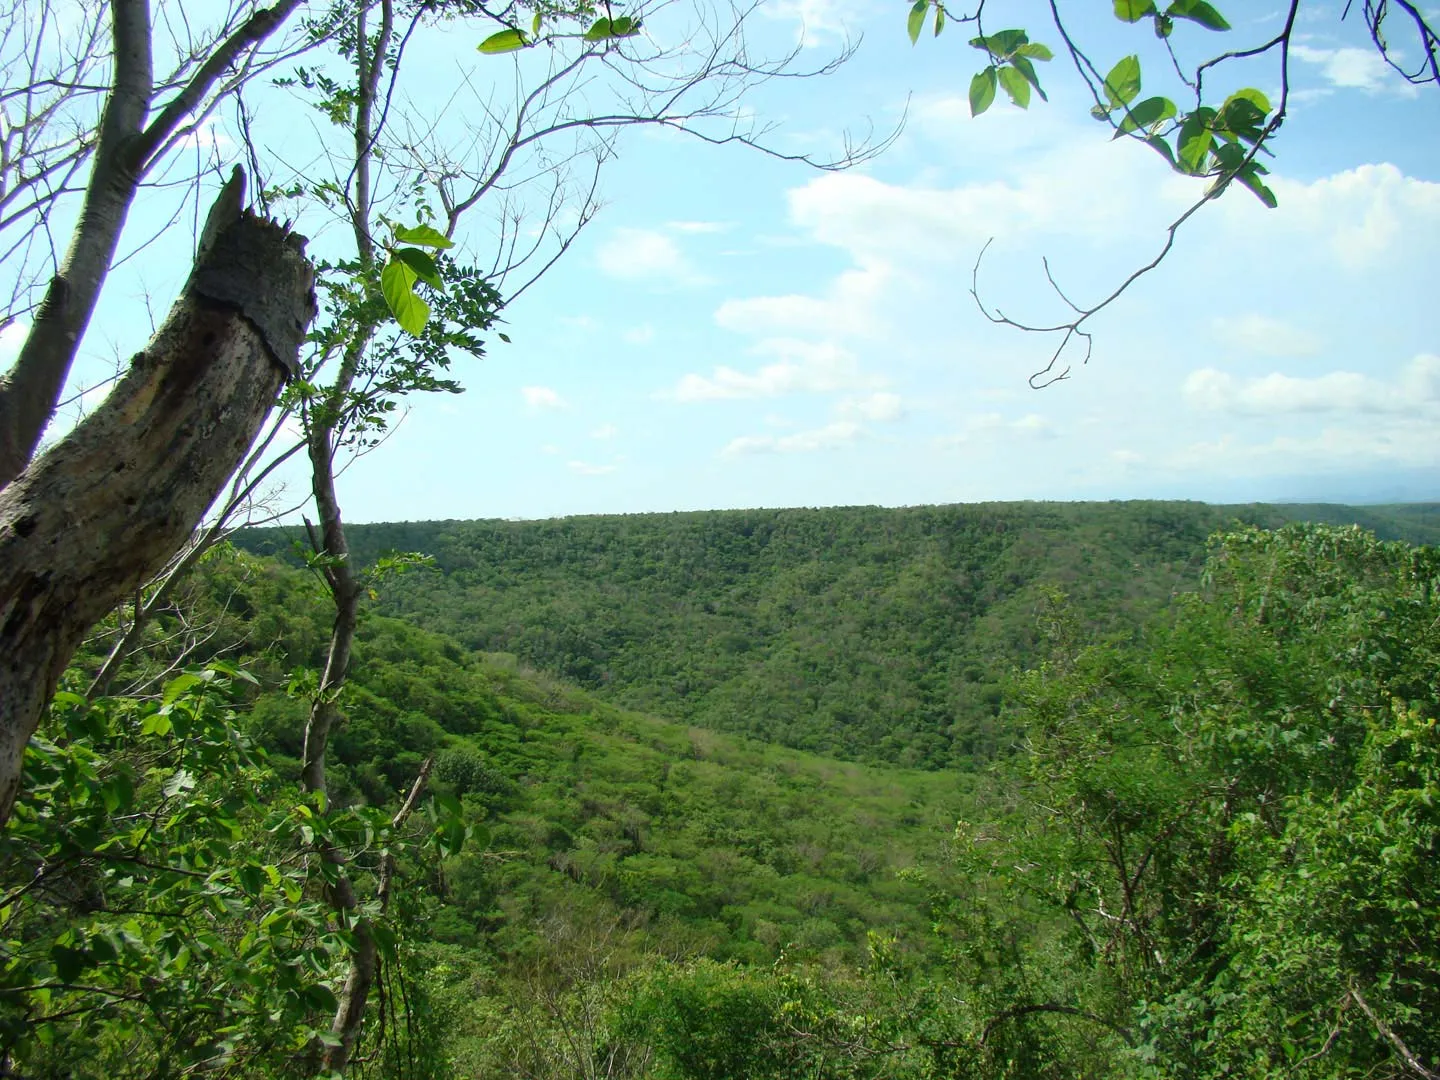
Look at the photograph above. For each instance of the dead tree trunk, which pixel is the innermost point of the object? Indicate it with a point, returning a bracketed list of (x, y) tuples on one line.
[(101, 512)]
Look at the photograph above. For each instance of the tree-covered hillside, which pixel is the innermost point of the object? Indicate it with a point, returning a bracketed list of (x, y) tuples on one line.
[(865, 633)]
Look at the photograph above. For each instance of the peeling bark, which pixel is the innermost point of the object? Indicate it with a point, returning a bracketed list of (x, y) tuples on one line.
[(101, 512)]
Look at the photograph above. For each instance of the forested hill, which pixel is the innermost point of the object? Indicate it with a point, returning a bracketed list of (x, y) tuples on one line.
[(879, 634)]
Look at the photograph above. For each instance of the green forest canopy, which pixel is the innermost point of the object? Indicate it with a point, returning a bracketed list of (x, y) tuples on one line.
[(860, 632)]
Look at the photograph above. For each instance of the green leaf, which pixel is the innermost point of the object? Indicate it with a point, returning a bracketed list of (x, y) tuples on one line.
[(1027, 69), (1134, 10), (1242, 117), (177, 686), (69, 963), (982, 90), (397, 282), (535, 25), (1255, 97), (1162, 148), (939, 19), (1146, 115), (1197, 11), (423, 235), (156, 724), (1003, 43), (916, 22), (503, 42), (181, 780), (1195, 141), (1016, 85), (1122, 85), (422, 265), (1035, 51)]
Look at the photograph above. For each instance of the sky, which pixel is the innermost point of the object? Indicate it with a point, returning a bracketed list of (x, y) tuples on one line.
[(734, 330)]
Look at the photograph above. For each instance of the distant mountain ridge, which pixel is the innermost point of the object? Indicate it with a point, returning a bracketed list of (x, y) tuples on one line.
[(859, 632)]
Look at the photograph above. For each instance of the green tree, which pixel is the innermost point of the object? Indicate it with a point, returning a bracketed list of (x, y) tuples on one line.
[(1225, 825)]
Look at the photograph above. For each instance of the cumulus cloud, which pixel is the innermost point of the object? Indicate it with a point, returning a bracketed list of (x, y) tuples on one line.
[(880, 408), (646, 255), (605, 431), (1052, 192), (1354, 68), (1336, 448), (701, 227), (643, 334), (994, 427), (818, 21), (840, 433), (585, 468), (1415, 392), (11, 339), (849, 307), (542, 397), (1265, 335), (1364, 216), (801, 368)]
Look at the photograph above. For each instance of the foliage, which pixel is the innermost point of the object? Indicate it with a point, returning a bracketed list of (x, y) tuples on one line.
[(1233, 817), (865, 633), (162, 913), (136, 943), (1217, 137), (1210, 854)]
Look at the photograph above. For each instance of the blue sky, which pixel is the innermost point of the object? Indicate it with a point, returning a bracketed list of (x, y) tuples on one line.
[(733, 330)]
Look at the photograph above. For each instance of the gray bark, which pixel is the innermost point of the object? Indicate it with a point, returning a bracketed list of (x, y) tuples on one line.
[(101, 512)]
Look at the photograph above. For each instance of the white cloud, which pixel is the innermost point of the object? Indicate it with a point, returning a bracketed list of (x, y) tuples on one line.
[(819, 21), (1052, 191), (646, 255), (605, 431), (11, 340), (802, 368), (840, 433), (1265, 335), (697, 227), (1338, 448), (849, 308), (639, 335), (542, 397), (993, 427), (881, 408), (550, 448), (1355, 68), (585, 468), (1366, 216), (1415, 392)]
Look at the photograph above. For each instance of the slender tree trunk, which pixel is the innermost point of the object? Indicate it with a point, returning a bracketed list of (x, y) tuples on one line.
[(101, 512), (325, 425), (28, 392)]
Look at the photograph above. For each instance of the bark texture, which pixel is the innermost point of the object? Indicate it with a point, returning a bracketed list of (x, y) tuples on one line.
[(100, 513)]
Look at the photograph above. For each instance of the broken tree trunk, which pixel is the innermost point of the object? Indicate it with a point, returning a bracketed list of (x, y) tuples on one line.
[(97, 515)]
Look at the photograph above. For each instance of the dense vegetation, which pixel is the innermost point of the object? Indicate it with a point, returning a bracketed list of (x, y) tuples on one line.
[(865, 633), (1201, 845)]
